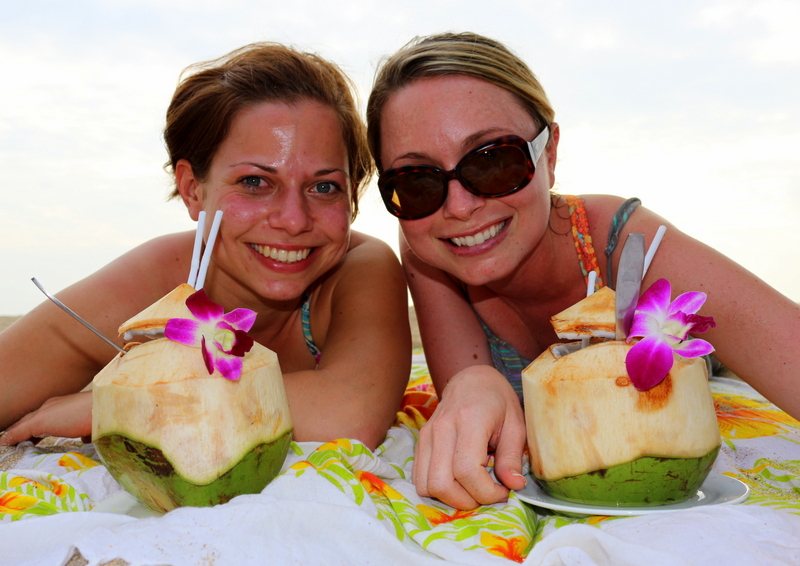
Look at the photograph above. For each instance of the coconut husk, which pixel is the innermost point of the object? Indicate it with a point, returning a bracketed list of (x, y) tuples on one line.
[(594, 316)]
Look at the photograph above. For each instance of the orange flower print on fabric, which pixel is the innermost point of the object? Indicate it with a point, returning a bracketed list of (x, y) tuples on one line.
[(513, 548), (15, 503), (74, 461), (595, 519), (742, 417), (303, 464), (375, 485), (416, 408), (338, 445), (58, 488), (439, 517)]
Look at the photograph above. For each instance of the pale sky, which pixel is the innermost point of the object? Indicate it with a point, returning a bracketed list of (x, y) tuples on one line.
[(693, 106)]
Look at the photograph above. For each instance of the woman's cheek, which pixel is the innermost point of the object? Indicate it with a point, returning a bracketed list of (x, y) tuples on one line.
[(418, 238)]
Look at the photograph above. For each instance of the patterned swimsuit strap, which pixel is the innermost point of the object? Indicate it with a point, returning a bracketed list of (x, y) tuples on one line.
[(583, 240), (617, 223), (305, 318)]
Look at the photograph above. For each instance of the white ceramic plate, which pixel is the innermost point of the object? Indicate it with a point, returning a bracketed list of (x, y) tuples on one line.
[(717, 489), (123, 503)]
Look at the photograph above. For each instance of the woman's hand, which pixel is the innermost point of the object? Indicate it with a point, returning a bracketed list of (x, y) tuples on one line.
[(69, 416), (478, 411)]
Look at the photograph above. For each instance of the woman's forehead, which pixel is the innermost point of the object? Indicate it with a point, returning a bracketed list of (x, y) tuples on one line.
[(454, 109)]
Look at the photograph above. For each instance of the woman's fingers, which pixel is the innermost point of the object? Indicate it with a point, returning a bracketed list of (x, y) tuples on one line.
[(19, 431), (469, 463), (68, 416), (452, 450), (510, 447), (441, 480), (422, 459)]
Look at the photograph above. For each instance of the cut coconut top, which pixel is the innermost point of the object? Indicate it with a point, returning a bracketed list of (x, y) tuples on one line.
[(594, 316), (153, 319)]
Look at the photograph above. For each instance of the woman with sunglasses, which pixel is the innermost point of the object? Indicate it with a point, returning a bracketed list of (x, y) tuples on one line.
[(271, 137), (466, 144)]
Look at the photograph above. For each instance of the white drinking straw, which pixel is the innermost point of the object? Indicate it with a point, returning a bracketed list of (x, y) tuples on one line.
[(591, 283), (589, 291), (212, 237), (651, 251), (198, 245)]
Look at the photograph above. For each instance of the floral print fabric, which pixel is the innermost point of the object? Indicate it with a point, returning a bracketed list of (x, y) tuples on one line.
[(761, 447)]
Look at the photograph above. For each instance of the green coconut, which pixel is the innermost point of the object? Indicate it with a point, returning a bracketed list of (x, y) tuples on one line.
[(172, 435), (594, 438), (643, 482)]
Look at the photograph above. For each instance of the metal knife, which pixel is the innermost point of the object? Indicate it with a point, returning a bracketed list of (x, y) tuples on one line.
[(629, 283)]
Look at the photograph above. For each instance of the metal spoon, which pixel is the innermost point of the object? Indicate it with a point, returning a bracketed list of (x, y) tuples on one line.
[(74, 315)]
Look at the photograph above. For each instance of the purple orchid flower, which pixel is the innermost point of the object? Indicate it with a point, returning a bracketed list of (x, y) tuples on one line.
[(664, 327), (226, 333)]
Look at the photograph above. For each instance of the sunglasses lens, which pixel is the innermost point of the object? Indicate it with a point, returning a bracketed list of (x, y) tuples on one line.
[(413, 194), (496, 170), (499, 167)]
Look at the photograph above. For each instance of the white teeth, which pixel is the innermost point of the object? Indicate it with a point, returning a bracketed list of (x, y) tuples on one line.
[(479, 238), (283, 256)]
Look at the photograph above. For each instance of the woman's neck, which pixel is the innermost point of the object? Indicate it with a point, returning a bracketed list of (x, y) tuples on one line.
[(272, 316)]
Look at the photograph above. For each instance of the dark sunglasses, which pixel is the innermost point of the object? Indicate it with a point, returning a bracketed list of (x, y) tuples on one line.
[(497, 168)]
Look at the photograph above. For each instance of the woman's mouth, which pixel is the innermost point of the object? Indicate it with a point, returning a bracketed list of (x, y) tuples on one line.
[(283, 256), (480, 237)]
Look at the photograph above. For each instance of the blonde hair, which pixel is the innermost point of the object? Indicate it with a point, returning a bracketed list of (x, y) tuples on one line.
[(454, 54), (211, 94)]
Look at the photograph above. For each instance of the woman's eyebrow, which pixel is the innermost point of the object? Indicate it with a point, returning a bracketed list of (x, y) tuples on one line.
[(472, 139), (329, 171), (266, 168), (270, 169), (469, 142)]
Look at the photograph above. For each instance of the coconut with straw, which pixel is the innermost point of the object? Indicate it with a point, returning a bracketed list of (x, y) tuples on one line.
[(198, 414), (601, 429)]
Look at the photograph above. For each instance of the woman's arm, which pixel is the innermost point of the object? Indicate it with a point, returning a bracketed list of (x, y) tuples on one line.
[(366, 352), (47, 353), (478, 408)]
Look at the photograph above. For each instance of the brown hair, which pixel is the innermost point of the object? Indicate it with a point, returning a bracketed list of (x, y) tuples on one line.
[(454, 54), (210, 94)]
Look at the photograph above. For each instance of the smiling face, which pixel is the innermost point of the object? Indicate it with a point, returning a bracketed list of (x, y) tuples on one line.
[(436, 121), (282, 181)]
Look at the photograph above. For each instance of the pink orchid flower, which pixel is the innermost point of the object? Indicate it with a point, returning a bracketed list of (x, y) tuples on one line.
[(664, 327), (225, 333)]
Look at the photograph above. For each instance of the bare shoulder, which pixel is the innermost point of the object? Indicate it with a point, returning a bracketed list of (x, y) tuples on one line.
[(171, 251), (137, 278), (363, 246), (367, 256), (161, 262), (370, 270), (600, 211), (602, 205)]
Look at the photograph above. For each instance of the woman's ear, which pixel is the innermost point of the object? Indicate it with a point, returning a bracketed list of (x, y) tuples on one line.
[(189, 188)]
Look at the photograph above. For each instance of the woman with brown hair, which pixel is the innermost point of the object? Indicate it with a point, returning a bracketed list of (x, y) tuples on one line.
[(270, 136)]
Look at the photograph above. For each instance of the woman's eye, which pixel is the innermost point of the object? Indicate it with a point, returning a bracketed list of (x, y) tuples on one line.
[(251, 181), (326, 187)]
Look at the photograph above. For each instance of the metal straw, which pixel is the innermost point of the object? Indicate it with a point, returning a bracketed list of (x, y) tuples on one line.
[(74, 315)]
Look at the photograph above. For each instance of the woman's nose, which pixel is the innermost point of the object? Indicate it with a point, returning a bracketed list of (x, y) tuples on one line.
[(460, 203), (290, 212)]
